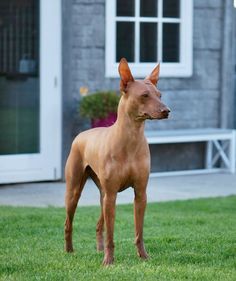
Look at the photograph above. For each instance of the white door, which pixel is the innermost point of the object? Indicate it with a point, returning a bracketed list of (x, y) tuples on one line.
[(30, 90)]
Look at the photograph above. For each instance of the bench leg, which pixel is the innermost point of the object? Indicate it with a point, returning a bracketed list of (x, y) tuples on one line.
[(209, 154), (221, 148), (226, 152), (232, 153)]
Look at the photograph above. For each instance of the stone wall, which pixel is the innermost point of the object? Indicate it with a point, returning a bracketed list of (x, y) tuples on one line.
[(194, 101)]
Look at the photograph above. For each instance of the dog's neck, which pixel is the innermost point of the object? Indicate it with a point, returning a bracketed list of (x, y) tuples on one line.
[(126, 126)]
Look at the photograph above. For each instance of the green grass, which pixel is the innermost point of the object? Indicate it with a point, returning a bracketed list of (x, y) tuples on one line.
[(186, 240)]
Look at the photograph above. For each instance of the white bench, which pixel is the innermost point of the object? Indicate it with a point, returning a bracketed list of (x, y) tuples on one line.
[(221, 145)]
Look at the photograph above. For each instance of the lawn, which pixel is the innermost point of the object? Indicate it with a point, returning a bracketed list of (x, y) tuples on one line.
[(186, 240)]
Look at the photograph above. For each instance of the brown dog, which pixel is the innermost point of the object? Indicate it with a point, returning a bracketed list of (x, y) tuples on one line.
[(116, 158)]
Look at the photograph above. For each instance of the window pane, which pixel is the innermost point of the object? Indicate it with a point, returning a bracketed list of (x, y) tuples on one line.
[(148, 42), (125, 8), (171, 42), (125, 41), (171, 8), (148, 8)]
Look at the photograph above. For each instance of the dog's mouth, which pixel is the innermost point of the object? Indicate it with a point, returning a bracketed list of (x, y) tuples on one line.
[(143, 117), (157, 116), (164, 115)]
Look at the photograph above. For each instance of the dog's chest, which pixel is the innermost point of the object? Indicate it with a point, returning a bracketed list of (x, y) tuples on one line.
[(125, 170)]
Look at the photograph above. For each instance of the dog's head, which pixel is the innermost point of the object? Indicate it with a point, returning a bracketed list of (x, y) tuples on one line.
[(143, 99)]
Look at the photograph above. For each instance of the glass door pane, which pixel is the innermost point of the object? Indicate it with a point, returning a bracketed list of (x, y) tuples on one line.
[(19, 77)]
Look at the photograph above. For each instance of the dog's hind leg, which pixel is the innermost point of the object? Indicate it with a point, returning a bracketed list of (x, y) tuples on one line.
[(76, 177), (100, 227)]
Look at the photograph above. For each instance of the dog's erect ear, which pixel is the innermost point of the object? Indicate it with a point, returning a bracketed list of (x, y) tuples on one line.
[(154, 76), (125, 74)]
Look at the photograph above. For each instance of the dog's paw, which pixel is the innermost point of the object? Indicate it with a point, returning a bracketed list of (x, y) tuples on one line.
[(143, 255), (69, 249), (108, 260)]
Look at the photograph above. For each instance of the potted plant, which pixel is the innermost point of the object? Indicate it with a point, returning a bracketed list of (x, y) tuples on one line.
[(100, 107)]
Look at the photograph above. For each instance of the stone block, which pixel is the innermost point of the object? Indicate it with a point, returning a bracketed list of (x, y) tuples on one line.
[(88, 10), (208, 3), (207, 29), (91, 33), (85, 54)]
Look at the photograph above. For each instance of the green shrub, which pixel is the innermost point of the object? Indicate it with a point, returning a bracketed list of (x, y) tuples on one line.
[(99, 104)]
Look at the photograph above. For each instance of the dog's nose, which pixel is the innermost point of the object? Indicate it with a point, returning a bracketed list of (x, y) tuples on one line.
[(165, 110)]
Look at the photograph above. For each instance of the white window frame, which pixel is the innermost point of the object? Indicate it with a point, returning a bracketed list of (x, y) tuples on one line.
[(178, 69)]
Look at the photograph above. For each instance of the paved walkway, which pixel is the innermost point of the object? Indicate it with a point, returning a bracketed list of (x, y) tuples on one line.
[(159, 189)]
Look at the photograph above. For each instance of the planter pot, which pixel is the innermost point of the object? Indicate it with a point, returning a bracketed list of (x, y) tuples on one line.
[(104, 122)]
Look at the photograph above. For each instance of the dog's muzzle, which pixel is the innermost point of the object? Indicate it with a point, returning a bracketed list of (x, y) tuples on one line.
[(165, 113)]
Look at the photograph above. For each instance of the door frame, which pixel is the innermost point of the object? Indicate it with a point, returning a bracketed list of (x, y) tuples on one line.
[(45, 165)]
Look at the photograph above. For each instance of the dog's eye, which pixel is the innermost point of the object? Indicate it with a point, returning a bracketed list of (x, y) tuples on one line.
[(145, 95)]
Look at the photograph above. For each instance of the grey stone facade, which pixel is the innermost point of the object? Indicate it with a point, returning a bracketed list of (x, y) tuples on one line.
[(200, 101)]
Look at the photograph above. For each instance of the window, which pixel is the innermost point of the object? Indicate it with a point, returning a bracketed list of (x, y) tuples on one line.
[(149, 31)]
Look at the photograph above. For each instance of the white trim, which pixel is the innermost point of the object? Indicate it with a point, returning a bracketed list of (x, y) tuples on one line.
[(51, 84), (137, 31), (147, 19), (181, 69), (45, 165), (160, 29)]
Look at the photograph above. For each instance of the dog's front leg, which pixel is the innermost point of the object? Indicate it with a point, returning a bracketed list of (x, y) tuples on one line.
[(109, 203), (140, 202)]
